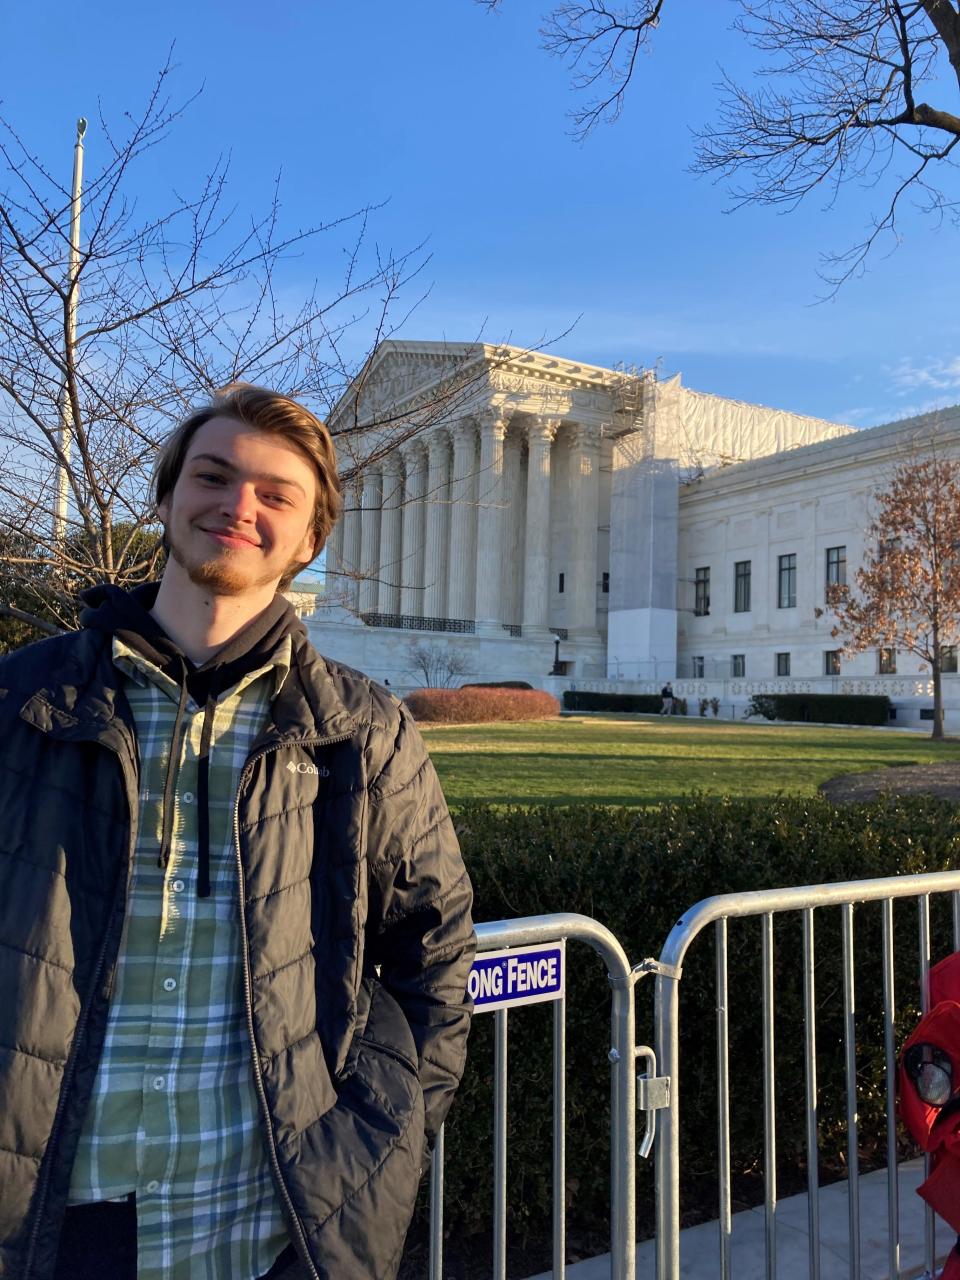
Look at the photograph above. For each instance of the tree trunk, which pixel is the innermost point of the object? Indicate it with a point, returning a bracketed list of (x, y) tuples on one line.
[(937, 731)]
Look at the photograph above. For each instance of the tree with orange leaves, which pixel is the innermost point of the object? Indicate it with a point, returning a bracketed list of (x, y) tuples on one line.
[(908, 590)]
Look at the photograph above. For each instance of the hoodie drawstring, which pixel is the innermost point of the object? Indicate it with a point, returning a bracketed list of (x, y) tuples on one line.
[(203, 786), (166, 837), (203, 792)]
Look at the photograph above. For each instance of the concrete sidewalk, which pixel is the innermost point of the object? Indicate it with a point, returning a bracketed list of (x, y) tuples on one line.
[(699, 1250)]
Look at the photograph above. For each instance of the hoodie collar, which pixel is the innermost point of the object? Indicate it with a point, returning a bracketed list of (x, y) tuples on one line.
[(138, 667), (82, 698)]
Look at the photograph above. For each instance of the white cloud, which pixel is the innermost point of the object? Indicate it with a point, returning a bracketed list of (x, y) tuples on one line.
[(936, 375), (894, 412)]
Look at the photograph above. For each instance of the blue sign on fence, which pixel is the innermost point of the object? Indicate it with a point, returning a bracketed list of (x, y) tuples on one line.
[(520, 975)]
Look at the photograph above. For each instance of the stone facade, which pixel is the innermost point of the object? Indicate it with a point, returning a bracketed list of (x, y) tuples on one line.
[(782, 526), (497, 499)]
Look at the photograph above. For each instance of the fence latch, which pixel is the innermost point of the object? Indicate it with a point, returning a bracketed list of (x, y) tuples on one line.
[(657, 968), (653, 1094)]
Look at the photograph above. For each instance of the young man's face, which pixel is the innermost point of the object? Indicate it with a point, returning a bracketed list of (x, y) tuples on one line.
[(241, 512)]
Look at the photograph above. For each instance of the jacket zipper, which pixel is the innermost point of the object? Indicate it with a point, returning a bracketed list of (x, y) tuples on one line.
[(292, 1214), (44, 1181)]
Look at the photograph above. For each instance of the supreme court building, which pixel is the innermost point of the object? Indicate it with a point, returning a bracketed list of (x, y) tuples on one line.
[(543, 520)]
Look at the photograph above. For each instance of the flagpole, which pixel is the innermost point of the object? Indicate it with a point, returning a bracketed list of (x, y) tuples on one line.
[(65, 438)]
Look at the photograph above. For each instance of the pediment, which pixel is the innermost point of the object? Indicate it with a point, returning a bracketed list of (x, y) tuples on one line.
[(402, 376), (399, 376)]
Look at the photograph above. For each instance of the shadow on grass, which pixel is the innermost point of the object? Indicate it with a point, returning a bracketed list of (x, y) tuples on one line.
[(626, 800), (543, 759)]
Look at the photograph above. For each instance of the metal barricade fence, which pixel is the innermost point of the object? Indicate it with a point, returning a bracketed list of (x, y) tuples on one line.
[(765, 904), (528, 932)]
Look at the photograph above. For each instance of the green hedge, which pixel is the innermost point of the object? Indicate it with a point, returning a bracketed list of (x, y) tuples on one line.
[(577, 700), (636, 870), (823, 708)]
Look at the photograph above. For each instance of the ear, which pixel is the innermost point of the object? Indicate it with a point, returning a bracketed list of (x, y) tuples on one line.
[(163, 509)]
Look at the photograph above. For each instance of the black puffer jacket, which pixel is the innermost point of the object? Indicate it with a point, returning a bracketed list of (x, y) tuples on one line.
[(347, 861)]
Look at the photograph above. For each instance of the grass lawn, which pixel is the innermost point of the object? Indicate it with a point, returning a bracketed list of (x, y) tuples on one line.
[(632, 760)]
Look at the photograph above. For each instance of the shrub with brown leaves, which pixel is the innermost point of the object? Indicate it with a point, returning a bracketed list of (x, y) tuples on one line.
[(472, 705)]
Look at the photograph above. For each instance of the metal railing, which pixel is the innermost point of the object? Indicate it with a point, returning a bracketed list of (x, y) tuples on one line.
[(568, 927), (411, 622), (765, 904)]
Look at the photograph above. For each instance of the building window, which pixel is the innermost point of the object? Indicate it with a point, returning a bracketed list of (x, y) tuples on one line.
[(605, 583), (741, 588), (783, 664), (738, 665), (836, 568), (696, 668), (887, 662), (831, 662), (701, 603), (948, 659), (787, 582), (560, 587)]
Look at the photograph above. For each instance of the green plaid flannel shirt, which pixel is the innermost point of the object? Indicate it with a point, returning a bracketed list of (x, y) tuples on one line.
[(174, 1116)]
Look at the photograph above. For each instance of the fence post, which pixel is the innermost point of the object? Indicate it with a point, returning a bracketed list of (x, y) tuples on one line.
[(623, 1129), (667, 1048)]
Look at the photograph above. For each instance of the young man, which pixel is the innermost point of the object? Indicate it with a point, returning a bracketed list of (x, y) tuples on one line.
[(234, 922)]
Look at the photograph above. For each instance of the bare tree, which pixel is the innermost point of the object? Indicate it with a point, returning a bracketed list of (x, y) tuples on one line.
[(841, 99), (601, 43), (156, 311), (438, 665), (908, 590)]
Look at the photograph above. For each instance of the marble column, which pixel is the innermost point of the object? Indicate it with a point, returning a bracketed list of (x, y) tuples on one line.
[(490, 524), (536, 556), (333, 561), (585, 507), (391, 516), (461, 572), (514, 512), (371, 500), (350, 563), (414, 512), (437, 503)]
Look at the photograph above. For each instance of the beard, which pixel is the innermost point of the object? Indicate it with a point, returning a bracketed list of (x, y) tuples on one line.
[(221, 576), (217, 575)]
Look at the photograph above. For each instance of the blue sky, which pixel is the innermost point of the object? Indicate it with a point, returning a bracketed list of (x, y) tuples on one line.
[(456, 119)]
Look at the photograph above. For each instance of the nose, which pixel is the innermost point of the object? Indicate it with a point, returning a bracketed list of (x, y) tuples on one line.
[(238, 503)]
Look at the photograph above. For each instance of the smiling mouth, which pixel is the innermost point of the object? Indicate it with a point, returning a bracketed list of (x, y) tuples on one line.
[(229, 538)]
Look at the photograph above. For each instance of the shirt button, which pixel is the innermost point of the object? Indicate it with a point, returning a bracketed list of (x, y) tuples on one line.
[(169, 984), (158, 1082), (178, 886), (153, 1186), (188, 797)]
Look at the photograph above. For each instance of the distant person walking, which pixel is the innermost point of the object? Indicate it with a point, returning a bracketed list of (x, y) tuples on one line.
[(666, 693)]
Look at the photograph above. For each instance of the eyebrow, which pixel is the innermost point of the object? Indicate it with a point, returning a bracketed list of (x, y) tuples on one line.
[(235, 470)]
